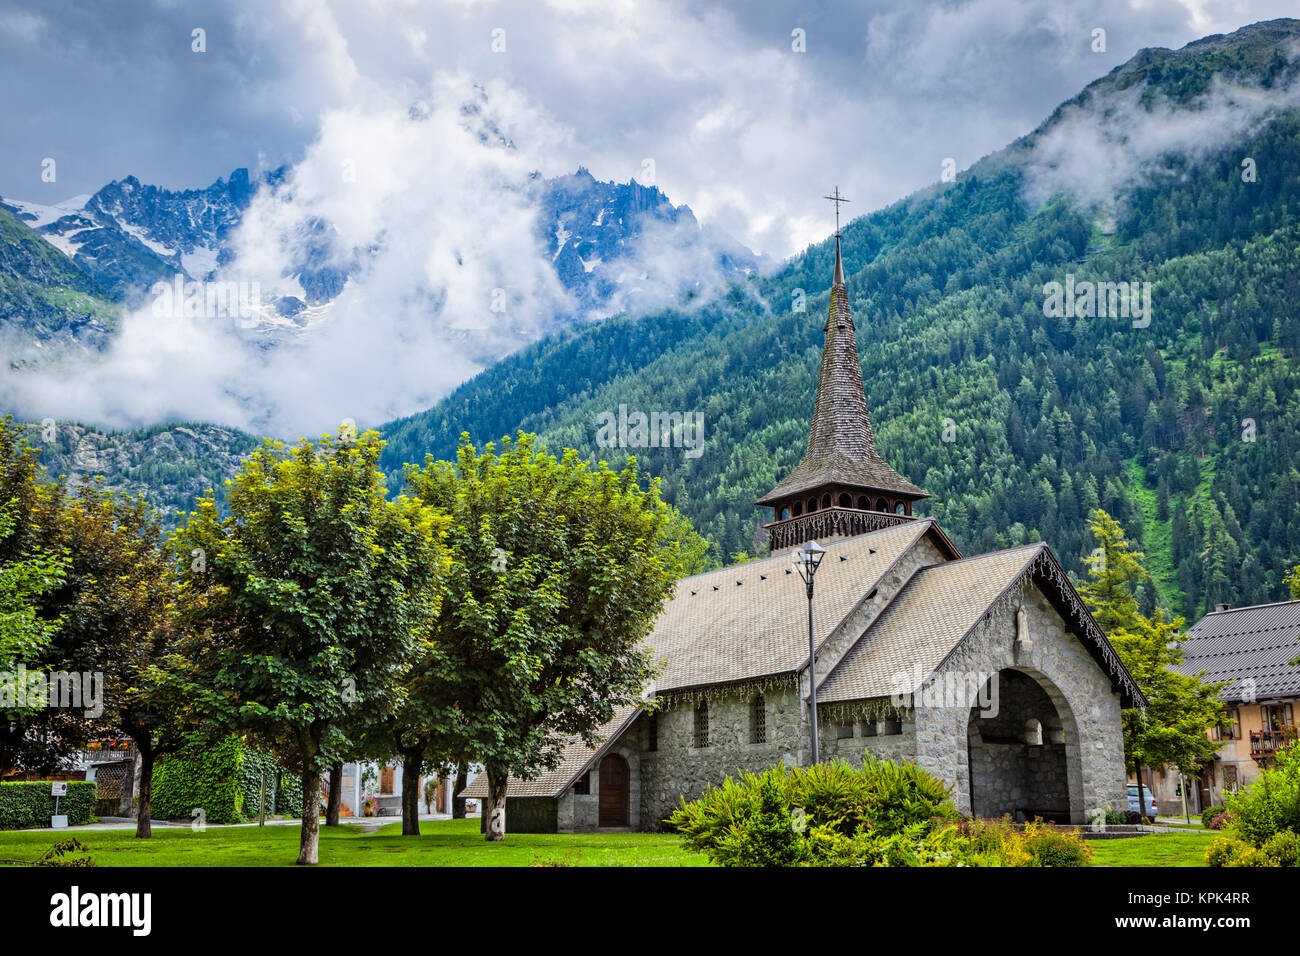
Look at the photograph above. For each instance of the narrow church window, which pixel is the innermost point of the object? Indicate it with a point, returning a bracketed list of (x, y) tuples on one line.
[(844, 730), (758, 721), (702, 724), (652, 732), (1034, 732), (583, 785)]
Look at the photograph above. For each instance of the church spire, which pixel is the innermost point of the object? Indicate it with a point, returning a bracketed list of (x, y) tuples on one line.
[(843, 486)]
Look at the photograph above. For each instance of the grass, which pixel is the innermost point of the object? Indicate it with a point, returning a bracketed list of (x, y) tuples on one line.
[(459, 843), (441, 843), (1159, 849)]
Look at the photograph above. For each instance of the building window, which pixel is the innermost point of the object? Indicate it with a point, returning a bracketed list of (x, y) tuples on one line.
[(845, 500), (812, 504), (1230, 779), (890, 726), (1275, 717), (652, 732), (869, 728), (826, 500), (386, 780), (785, 513), (844, 730), (1230, 729), (798, 508), (583, 786), (863, 504), (758, 721), (702, 724)]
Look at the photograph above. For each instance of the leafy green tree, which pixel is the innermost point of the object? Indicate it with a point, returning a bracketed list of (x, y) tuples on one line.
[(312, 594), (559, 570), (1171, 730)]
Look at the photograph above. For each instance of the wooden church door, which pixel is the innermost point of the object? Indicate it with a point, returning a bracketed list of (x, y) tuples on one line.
[(614, 779)]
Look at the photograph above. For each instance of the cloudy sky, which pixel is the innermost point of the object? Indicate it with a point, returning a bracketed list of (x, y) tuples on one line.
[(712, 102)]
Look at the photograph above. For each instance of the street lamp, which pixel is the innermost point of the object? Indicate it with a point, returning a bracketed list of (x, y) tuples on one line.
[(806, 560)]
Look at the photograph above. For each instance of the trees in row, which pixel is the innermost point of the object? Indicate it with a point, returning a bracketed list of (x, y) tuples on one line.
[(491, 612)]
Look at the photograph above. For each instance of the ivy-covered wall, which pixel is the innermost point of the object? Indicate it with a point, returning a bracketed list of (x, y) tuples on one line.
[(226, 782)]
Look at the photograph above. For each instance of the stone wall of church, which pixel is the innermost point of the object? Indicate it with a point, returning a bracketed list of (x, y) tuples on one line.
[(1087, 708), (678, 768)]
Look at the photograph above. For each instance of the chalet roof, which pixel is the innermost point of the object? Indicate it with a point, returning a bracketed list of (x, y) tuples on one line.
[(576, 760), (939, 606), (841, 447), (1247, 644), (749, 621)]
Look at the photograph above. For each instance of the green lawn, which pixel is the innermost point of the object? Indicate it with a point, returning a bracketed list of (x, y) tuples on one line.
[(441, 843), (458, 843), (1159, 849)]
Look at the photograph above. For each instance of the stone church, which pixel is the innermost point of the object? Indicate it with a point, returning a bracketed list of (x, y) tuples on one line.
[(988, 671)]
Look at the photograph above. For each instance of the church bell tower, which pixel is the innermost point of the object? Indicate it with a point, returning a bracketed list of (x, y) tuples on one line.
[(843, 487)]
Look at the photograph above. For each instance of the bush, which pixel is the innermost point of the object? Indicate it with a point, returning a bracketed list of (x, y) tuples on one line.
[(1051, 847), (1269, 805), (1283, 848), (28, 803), (200, 778), (825, 814), (1210, 815)]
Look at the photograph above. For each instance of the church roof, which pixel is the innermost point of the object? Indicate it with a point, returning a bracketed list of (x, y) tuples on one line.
[(576, 760), (939, 607), (749, 621), (841, 447), (1247, 644)]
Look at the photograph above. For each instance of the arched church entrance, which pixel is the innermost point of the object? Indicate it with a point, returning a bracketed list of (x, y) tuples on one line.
[(1023, 753), (614, 791)]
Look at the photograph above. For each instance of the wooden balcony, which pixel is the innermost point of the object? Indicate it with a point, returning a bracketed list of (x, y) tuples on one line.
[(1264, 744)]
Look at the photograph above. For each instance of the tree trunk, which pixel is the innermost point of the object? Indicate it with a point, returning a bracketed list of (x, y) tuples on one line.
[(412, 760), (309, 843), (457, 801), (336, 796), (143, 830), (494, 810)]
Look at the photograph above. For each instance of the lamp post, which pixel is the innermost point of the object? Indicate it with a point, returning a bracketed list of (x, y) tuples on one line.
[(806, 560)]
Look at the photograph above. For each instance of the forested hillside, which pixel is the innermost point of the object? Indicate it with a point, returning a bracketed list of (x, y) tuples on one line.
[(1185, 429)]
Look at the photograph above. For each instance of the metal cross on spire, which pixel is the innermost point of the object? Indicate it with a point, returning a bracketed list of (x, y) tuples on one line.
[(837, 199)]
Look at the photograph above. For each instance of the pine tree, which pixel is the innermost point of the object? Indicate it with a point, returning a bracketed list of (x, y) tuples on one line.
[(1171, 730)]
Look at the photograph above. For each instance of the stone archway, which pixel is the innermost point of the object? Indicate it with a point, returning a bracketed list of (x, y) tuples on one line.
[(1023, 754)]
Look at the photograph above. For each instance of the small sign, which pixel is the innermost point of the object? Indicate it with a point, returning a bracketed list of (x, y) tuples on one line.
[(59, 788)]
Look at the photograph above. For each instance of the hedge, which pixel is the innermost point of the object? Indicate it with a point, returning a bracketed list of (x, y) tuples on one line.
[(28, 803), (283, 788), (206, 778), (226, 781)]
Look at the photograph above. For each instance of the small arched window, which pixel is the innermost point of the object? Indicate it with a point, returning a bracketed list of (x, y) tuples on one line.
[(1034, 732), (798, 508), (863, 503), (812, 504), (785, 513), (898, 508), (826, 500), (880, 504), (846, 501)]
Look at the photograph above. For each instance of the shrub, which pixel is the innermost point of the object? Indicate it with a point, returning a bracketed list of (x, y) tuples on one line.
[(1116, 816), (1048, 846), (1228, 851), (1210, 815), (28, 803), (827, 814), (1283, 848), (1270, 804)]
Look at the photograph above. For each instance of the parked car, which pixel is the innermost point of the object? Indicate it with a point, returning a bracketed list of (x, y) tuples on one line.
[(1147, 798)]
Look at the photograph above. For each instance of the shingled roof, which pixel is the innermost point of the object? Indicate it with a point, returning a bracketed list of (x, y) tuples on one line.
[(749, 621), (1246, 644), (841, 447), (939, 606), (577, 759)]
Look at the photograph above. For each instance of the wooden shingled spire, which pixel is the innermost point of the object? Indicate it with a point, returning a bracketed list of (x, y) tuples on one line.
[(843, 486)]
